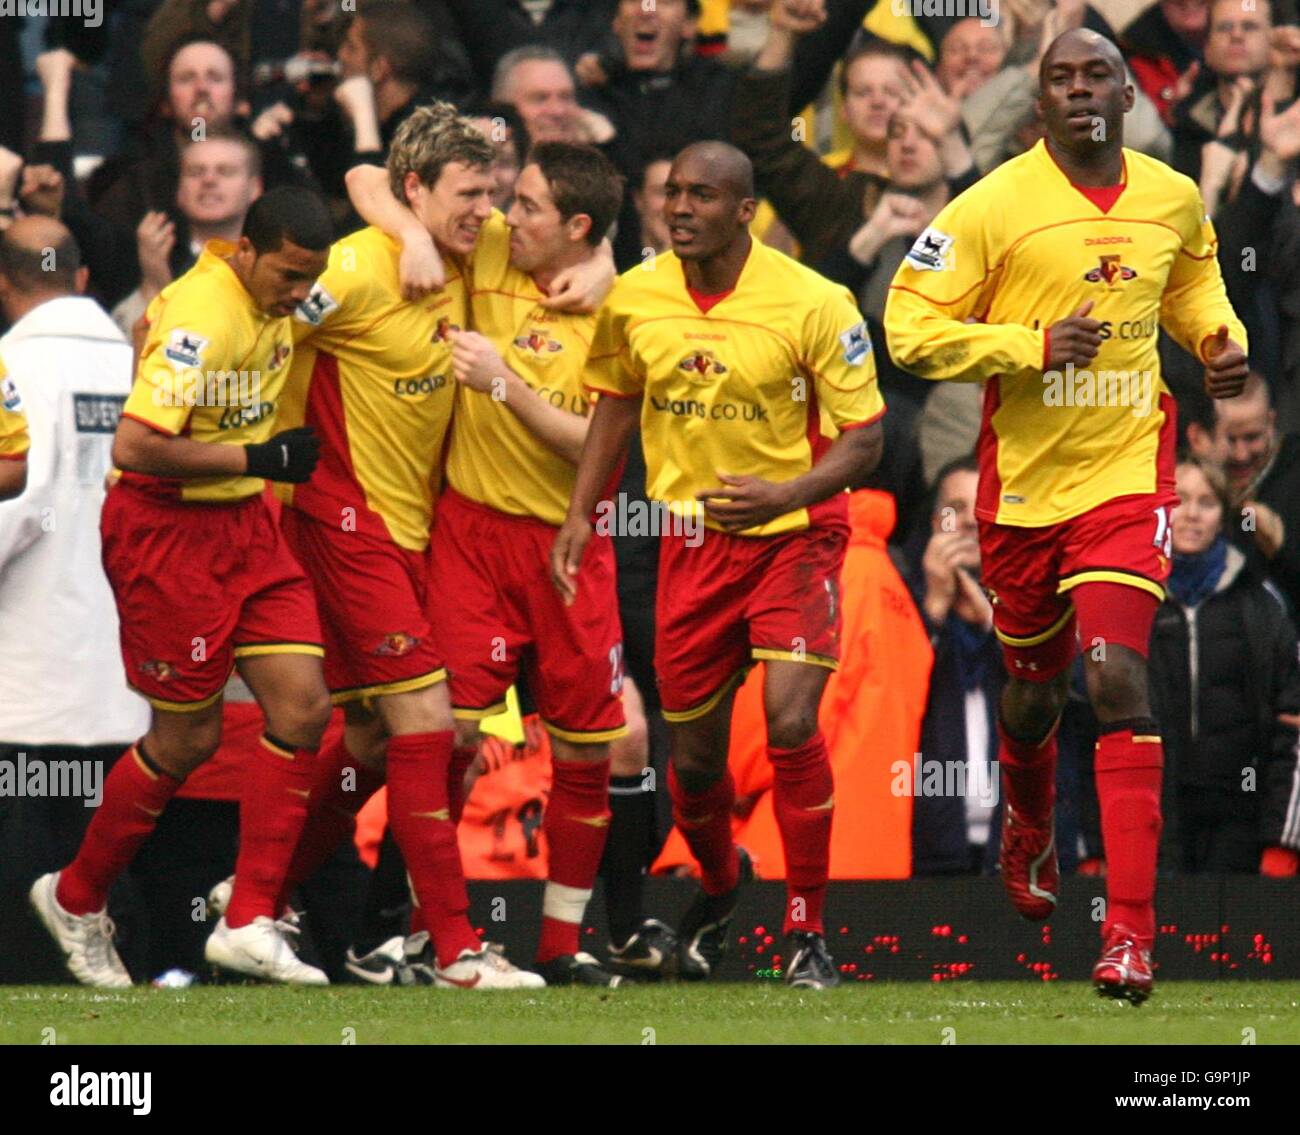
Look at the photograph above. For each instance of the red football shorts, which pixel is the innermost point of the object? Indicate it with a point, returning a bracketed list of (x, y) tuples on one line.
[(732, 599), (197, 586), (1030, 572), (373, 598), (501, 610)]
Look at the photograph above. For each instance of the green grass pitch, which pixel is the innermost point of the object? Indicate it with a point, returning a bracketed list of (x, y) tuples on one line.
[(902, 1013)]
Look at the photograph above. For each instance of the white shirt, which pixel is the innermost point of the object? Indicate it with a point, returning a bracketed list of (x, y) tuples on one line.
[(61, 674)]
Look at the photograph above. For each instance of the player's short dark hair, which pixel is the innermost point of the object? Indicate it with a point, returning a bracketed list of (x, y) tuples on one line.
[(581, 180), (402, 34), (49, 268), (291, 213), (230, 134), (868, 47)]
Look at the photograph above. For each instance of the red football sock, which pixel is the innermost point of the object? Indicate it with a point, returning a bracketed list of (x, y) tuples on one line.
[(133, 799), (1029, 775), (1128, 765), (803, 799), (272, 812), (576, 824), (461, 758), (341, 786), (704, 819), (419, 815)]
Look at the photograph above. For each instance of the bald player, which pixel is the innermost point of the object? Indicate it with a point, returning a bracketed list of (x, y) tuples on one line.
[(1049, 281), (755, 386)]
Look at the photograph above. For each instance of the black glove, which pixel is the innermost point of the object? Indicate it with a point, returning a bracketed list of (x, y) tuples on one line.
[(290, 455)]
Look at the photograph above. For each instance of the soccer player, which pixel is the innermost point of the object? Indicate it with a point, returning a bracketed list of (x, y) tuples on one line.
[(1049, 281), (373, 375), (739, 363), (204, 583), (521, 419), (14, 439)]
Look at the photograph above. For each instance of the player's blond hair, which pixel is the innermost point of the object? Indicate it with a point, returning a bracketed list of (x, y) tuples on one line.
[(431, 138)]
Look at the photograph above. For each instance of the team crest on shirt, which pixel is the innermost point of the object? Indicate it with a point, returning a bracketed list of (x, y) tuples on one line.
[(279, 357), (932, 251), (9, 395), (397, 644), (537, 342), (318, 304), (157, 668), (702, 365), (1111, 270), (856, 343), (185, 349), (442, 333)]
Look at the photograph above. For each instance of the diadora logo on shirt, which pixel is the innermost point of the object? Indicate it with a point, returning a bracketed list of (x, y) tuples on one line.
[(538, 342), (1111, 271), (702, 365), (318, 304), (442, 333)]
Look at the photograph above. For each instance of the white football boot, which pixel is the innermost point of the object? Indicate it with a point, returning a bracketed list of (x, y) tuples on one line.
[(86, 939), (289, 922), (488, 969), (260, 950)]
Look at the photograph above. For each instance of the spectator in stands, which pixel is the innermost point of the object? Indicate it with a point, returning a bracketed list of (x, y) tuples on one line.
[(200, 96), (502, 126), (822, 208), (1263, 481), (393, 58), (950, 834), (1236, 61), (1246, 190), (223, 22), (538, 83), (970, 54), (1163, 47), (649, 196), (651, 85), (63, 694), (490, 29), (1225, 687), (220, 178)]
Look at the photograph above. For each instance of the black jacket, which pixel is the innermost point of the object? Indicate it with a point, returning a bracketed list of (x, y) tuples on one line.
[(1279, 489), (1219, 674)]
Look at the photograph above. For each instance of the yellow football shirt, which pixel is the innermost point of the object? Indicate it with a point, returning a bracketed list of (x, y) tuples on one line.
[(14, 439), (493, 457), (756, 386), (212, 368), (373, 375), (1022, 249)]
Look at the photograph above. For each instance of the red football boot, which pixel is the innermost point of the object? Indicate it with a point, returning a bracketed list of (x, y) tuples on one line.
[(1028, 864), (1124, 971)]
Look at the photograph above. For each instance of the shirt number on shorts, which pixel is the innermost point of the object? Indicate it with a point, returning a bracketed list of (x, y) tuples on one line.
[(616, 668), (1164, 534)]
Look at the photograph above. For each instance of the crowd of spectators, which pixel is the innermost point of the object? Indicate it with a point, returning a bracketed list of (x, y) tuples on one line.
[(153, 132)]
